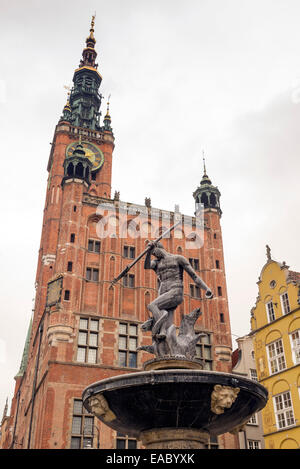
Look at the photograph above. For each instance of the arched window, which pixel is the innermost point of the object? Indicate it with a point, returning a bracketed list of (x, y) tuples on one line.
[(213, 200), (204, 199), (70, 169), (79, 170)]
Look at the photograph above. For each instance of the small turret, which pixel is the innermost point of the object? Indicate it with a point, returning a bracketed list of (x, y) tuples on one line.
[(207, 194), (107, 120)]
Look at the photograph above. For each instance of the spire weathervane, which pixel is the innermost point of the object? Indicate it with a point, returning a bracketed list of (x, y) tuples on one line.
[(268, 253)]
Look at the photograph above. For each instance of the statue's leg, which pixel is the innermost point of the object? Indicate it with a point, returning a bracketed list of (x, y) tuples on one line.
[(162, 309)]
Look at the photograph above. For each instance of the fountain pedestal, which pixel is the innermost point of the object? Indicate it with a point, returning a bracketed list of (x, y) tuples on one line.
[(174, 438)]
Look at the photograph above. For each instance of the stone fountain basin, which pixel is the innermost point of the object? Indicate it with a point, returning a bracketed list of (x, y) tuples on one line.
[(175, 398)]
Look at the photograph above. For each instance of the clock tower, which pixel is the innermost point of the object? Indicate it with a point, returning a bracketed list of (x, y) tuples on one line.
[(80, 124)]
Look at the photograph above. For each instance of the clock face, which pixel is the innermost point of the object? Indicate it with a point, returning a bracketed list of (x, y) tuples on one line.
[(93, 153)]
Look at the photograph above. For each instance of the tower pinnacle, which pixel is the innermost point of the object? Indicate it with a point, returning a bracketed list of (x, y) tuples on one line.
[(107, 118)]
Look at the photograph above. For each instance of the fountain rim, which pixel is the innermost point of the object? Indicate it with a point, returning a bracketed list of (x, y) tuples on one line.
[(165, 376)]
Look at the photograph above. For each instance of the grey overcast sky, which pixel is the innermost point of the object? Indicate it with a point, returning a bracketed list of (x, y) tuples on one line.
[(221, 76)]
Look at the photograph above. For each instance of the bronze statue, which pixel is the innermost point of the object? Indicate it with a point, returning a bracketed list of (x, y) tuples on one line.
[(169, 269)]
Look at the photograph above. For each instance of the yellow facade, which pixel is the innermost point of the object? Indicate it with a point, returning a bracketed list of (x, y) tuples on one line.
[(275, 324)]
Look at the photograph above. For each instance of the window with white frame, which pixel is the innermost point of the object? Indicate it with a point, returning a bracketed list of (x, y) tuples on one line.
[(204, 351), (254, 444), (128, 342), (253, 374), (284, 410), (285, 304), (295, 343), (270, 311), (87, 345), (253, 420), (276, 356), (82, 427)]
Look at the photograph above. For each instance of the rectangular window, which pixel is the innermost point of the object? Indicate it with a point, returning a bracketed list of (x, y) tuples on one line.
[(128, 342), (222, 318), (94, 246), (128, 280), (72, 238), (253, 374), (194, 263), (276, 356), (67, 295), (270, 311), (70, 266), (219, 291), (195, 291), (123, 442), (254, 444), (92, 274), (212, 443), (285, 304), (88, 340), (204, 352), (295, 343), (217, 264), (82, 431), (284, 410), (129, 252), (253, 420)]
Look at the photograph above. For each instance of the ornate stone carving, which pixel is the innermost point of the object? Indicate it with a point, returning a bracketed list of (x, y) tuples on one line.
[(222, 398), (54, 290), (100, 408)]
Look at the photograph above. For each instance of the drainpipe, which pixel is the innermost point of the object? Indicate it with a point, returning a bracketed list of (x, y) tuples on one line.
[(34, 385)]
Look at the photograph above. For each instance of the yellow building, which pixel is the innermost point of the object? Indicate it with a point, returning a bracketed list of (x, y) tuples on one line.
[(275, 325)]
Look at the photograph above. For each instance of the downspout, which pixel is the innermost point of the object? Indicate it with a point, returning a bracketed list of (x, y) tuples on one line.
[(34, 385)]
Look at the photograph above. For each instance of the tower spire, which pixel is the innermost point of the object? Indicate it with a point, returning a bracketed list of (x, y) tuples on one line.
[(204, 167), (85, 99), (89, 54)]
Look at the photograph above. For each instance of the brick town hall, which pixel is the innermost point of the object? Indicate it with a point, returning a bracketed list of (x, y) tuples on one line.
[(84, 328)]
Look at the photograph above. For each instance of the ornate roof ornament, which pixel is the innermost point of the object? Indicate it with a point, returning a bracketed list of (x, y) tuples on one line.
[(268, 253)]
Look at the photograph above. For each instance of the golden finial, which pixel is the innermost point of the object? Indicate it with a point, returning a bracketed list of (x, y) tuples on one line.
[(93, 21), (68, 98), (91, 39), (92, 26), (107, 109)]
